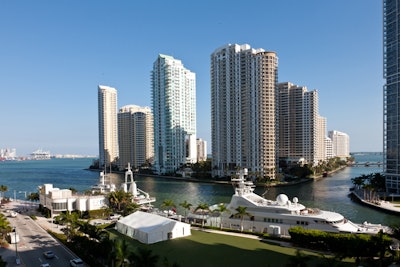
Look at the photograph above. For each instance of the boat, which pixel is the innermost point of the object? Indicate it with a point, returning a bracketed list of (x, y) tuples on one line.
[(102, 187), (138, 196), (40, 155), (277, 216), (129, 186)]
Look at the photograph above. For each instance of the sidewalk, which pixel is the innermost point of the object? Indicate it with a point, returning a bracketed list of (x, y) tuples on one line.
[(381, 205)]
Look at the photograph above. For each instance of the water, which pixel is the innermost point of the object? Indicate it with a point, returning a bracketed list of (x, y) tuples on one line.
[(330, 193)]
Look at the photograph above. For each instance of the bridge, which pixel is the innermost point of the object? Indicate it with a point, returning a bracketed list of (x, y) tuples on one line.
[(367, 164)]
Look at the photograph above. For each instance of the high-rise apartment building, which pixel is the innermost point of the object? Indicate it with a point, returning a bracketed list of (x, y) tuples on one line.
[(340, 144), (201, 150), (174, 110), (108, 130), (135, 136), (302, 130), (328, 148), (243, 110), (391, 95)]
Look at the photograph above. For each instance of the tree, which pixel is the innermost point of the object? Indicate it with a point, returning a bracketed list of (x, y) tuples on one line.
[(33, 197), (186, 205), (221, 209), (168, 204), (119, 199), (71, 221), (3, 189), (120, 252), (241, 212), (143, 258), (4, 225), (203, 207), (131, 208)]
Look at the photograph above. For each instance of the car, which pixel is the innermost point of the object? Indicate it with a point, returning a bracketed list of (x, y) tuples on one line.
[(48, 254), (44, 265), (77, 262), (114, 216)]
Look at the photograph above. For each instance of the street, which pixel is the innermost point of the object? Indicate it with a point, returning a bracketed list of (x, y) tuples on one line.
[(34, 240)]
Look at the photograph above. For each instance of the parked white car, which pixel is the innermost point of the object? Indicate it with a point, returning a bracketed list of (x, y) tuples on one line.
[(76, 262)]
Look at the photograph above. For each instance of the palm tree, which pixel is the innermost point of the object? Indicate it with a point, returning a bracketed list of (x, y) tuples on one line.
[(241, 212), (33, 197), (186, 205), (131, 208), (221, 209), (120, 252), (119, 199), (3, 189), (203, 207), (71, 221), (143, 258), (168, 204)]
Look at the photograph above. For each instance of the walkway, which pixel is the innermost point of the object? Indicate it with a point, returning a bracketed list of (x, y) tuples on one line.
[(381, 205)]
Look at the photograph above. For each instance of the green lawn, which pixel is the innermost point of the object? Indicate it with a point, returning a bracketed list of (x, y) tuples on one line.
[(209, 249)]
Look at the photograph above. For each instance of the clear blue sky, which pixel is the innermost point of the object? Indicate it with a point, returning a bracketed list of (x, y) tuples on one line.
[(54, 54)]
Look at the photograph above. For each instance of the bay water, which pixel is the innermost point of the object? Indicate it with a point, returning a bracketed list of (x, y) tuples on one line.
[(330, 193)]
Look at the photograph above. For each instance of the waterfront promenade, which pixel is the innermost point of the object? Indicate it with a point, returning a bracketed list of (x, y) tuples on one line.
[(383, 205)]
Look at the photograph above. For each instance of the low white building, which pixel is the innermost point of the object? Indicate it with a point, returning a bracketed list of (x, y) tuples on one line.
[(151, 228), (60, 200)]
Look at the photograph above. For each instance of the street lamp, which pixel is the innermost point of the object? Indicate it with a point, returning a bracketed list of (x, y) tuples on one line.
[(16, 245)]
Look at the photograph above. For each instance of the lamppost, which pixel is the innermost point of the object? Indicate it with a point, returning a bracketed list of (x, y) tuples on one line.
[(16, 245)]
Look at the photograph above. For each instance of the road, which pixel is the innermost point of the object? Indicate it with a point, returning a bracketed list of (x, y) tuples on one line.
[(34, 240)]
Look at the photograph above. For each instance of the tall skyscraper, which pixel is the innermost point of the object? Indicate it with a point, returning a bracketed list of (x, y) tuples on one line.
[(340, 144), (174, 110), (302, 130), (108, 131), (201, 150), (391, 95), (135, 136), (243, 110)]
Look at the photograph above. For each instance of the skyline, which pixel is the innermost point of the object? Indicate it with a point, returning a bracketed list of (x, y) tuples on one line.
[(56, 54)]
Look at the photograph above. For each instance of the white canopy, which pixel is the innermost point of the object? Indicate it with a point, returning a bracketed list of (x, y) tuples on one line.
[(150, 228)]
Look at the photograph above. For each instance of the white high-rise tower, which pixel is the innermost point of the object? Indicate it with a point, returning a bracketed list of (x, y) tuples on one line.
[(108, 130), (174, 110)]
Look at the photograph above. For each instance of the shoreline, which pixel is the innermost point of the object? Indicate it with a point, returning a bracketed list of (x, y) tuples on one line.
[(196, 180), (381, 205)]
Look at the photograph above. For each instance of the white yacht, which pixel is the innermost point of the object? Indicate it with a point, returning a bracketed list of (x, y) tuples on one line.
[(103, 187), (277, 216), (138, 196)]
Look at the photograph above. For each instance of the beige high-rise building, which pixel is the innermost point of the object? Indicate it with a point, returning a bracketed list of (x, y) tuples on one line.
[(302, 130), (201, 150), (108, 130), (243, 110), (135, 136)]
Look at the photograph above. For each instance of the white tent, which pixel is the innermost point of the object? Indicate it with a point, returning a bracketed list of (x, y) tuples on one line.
[(150, 228)]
